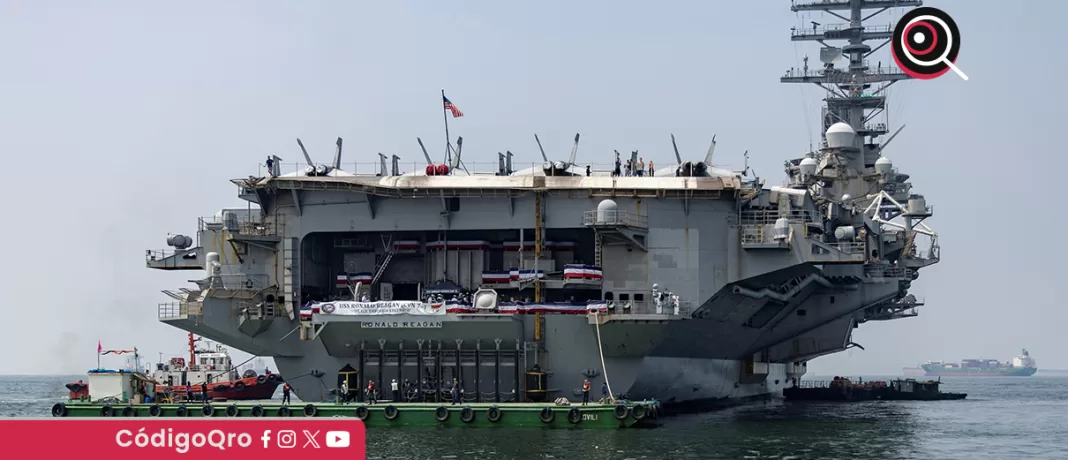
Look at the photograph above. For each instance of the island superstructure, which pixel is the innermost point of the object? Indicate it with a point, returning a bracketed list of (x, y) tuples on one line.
[(696, 286)]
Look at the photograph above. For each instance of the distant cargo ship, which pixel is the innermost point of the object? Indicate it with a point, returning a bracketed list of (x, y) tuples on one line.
[(1021, 366)]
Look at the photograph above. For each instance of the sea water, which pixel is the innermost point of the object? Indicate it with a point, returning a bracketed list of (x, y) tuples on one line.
[(1002, 418)]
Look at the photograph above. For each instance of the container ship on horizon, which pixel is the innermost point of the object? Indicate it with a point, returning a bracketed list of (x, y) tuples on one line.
[(1021, 366)]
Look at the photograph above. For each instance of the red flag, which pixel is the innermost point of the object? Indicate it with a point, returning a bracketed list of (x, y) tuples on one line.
[(99, 347)]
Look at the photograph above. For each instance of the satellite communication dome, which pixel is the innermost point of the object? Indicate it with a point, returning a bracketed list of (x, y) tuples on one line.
[(883, 165), (485, 299), (808, 166), (607, 210), (840, 135)]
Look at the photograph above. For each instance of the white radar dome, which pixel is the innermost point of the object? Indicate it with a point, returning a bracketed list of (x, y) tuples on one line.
[(883, 165), (840, 135), (607, 210), (807, 166)]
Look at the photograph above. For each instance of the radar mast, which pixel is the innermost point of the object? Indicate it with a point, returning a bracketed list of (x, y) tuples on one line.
[(851, 97)]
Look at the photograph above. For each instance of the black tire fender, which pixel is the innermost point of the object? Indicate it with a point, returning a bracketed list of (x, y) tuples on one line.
[(467, 415), (574, 415), (310, 410), (621, 411), (362, 412), (59, 410), (155, 410), (390, 412), (494, 414), (441, 414), (232, 410), (547, 415)]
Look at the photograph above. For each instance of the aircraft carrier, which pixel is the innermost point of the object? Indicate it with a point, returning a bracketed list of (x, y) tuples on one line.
[(693, 285)]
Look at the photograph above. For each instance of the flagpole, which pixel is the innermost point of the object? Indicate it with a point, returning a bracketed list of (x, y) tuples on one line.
[(445, 114)]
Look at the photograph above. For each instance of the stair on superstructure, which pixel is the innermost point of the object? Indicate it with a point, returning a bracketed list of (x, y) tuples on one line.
[(390, 251), (290, 281)]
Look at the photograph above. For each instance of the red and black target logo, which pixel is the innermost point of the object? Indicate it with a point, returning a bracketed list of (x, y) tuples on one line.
[(926, 43)]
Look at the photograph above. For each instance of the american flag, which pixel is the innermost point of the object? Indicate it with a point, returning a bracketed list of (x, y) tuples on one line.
[(455, 111)]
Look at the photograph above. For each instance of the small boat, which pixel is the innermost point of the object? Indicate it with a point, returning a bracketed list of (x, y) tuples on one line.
[(843, 389), (211, 366)]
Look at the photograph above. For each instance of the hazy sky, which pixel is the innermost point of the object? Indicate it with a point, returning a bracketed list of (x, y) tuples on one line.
[(122, 121)]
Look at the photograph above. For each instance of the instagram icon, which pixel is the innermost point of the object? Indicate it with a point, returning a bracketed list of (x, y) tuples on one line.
[(287, 439)]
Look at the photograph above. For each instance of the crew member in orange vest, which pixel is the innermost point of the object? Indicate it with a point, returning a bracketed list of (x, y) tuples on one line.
[(585, 391)]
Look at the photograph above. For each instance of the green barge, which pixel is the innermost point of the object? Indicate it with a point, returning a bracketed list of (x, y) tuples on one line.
[(524, 414)]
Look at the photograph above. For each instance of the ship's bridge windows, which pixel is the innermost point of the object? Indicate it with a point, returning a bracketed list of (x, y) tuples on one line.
[(624, 297), (639, 297), (608, 296)]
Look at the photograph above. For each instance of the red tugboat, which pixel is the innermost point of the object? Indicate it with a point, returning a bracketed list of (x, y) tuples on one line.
[(212, 366)]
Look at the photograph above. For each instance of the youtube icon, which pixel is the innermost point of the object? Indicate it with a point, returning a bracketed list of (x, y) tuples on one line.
[(338, 439)]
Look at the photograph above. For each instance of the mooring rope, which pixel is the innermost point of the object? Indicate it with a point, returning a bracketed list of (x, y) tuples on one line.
[(600, 351)]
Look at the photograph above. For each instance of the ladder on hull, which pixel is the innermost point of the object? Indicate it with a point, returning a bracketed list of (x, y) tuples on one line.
[(388, 243)]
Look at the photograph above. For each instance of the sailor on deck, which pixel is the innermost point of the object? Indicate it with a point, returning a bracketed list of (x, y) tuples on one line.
[(396, 391), (371, 399), (585, 392), (343, 396), (455, 391), (285, 393)]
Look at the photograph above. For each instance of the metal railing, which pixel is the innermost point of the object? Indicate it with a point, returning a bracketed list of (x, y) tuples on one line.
[(239, 281), (476, 167), (257, 309), (172, 310), (842, 76), (821, 30), (887, 271), (752, 234), (648, 307), (248, 223), (760, 217), (614, 218), (877, 127), (848, 247), (159, 255)]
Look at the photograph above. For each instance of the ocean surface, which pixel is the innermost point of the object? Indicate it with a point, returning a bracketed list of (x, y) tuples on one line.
[(1002, 418)]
